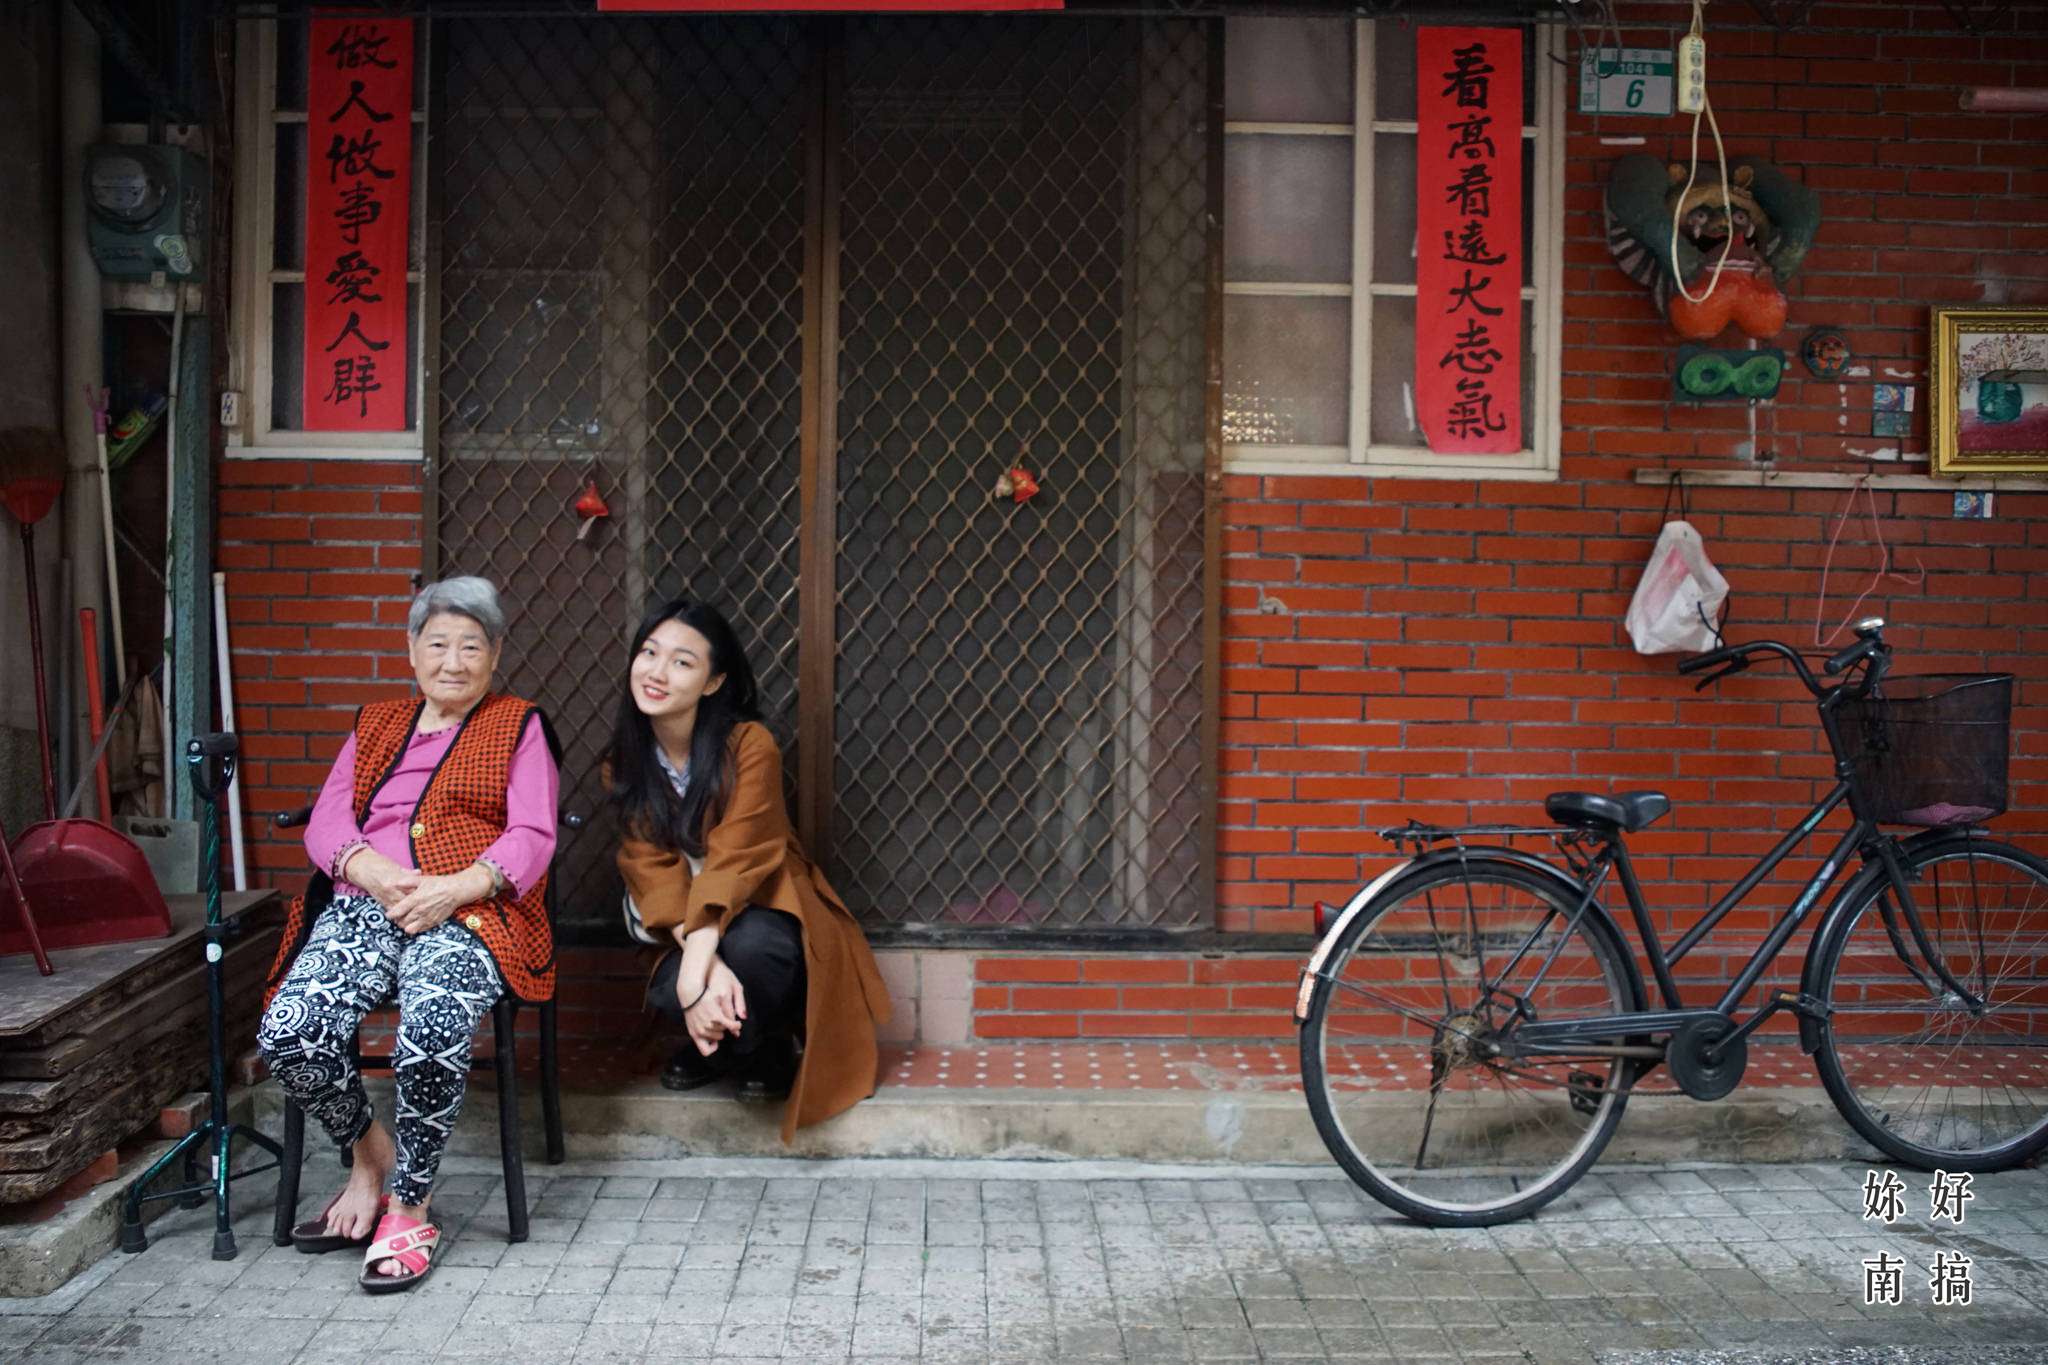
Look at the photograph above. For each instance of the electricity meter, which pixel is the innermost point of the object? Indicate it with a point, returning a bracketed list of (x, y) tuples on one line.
[(146, 211)]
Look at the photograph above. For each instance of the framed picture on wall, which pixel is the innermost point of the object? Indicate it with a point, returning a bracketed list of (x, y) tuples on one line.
[(1987, 384)]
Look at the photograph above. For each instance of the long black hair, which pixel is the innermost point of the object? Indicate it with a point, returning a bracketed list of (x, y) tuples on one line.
[(647, 801)]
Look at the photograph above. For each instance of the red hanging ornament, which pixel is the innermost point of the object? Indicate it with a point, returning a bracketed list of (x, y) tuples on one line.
[(1018, 485), (590, 507)]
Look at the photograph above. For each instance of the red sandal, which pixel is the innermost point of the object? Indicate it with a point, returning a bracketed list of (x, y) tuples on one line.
[(408, 1241)]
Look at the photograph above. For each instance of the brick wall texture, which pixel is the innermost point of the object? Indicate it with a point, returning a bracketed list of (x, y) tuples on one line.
[(1453, 650)]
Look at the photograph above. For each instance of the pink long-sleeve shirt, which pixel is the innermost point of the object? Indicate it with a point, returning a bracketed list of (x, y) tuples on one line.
[(521, 853)]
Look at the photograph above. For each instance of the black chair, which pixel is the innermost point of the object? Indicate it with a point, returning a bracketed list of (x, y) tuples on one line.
[(504, 1016)]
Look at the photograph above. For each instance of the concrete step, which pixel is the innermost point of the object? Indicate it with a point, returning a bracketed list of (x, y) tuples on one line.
[(1146, 1102)]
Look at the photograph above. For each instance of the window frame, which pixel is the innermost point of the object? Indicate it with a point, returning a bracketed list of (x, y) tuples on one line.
[(1537, 461), (251, 334)]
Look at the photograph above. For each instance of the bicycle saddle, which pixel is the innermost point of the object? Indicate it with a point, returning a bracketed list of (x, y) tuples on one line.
[(1628, 811)]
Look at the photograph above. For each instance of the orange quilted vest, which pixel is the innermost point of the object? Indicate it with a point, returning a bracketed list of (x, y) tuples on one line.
[(461, 814)]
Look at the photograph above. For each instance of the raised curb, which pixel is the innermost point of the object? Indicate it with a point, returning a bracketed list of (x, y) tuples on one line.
[(642, 1120)]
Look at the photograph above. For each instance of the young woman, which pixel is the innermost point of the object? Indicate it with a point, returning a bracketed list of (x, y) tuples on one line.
[(769, 975)]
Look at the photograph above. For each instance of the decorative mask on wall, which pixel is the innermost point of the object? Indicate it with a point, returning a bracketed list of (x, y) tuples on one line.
[(1759, 236)]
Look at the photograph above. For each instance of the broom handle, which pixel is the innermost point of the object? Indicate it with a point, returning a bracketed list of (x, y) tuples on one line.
[(35, 649), (95, 710), (28, 917), (99, 422)]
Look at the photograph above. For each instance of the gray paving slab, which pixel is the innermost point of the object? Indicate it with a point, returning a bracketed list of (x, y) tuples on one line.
[(754, 1259)]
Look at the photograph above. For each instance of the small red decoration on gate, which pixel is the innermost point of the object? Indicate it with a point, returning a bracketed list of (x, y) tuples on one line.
[(590, 507), (1018, 485)]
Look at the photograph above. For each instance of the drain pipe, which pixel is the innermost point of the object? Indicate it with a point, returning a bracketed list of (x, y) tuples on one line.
[(80, 323)]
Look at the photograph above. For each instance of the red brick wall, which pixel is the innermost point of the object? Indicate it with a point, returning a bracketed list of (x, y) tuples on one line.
[(319, 557), (1450, 650), (1209, 995), (1453, 650)]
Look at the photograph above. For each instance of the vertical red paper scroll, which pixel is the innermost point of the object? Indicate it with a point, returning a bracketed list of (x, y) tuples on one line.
[(1468, 239), (358, 211), (849, 6)]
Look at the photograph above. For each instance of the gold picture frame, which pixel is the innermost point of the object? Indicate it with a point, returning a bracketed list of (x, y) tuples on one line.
[(1987, 390)]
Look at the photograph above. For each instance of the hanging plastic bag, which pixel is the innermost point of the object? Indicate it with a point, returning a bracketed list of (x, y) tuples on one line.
[(1677, 608)]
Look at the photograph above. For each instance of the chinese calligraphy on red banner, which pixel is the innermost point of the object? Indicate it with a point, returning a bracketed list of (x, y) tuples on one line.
[(1468, 239), (358, 211), (844, 6)]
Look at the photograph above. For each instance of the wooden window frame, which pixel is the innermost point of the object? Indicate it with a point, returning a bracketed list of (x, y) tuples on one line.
[(253, 318), (1543, 297)]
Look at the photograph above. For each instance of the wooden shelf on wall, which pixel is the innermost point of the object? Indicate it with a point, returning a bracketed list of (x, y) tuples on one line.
[(1790, 478)]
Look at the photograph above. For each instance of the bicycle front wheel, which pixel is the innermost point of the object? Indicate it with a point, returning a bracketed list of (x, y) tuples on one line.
[(1928, 1076), (1410, 1081)]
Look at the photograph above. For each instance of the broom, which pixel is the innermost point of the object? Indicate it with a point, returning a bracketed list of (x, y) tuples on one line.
[(31, 472), (31, 480)]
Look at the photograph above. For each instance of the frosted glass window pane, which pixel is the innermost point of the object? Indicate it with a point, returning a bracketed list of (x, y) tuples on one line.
[(287, 355), (1287, 70), (1287, 208), (1393, 374), (1286, 370), (1393, 210), (1393, 70)]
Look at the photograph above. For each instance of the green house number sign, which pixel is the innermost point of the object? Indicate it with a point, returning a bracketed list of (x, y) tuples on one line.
[(1633, 80)]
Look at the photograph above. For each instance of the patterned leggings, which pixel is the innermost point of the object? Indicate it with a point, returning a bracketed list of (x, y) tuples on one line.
[(445, 980)]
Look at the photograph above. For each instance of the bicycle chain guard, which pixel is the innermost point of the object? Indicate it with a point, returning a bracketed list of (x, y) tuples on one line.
[(1697, 1074)]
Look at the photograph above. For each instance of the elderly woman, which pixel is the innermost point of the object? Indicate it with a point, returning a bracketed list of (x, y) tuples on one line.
[(435, 828)]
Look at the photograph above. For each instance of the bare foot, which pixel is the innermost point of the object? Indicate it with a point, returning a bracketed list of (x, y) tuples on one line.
[(419, 1211), (355, 1213)]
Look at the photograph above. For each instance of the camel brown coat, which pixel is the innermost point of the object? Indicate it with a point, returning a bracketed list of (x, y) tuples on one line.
[(752, 857)]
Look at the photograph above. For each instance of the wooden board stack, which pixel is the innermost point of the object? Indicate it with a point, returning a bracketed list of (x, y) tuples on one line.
[(89, 1057)]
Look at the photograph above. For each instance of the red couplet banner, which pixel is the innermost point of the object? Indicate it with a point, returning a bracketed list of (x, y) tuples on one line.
[(839, 6), (358, 211), (1468, 239)]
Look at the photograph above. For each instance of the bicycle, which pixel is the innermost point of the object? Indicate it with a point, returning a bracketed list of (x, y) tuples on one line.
[(1472, 1023)]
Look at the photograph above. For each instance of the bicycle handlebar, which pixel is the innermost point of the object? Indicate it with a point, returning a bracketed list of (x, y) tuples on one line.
[(1843, 658), (1869, 645), (1700, 663)]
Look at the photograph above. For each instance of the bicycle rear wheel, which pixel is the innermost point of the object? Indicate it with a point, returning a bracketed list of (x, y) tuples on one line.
[(1921, 1075), (1394, 1045)]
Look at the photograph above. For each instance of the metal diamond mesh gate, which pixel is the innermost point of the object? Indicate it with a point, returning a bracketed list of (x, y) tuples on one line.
[(774, 283)]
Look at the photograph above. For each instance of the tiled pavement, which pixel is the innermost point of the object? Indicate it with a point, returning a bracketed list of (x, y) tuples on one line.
[(751, 1259)]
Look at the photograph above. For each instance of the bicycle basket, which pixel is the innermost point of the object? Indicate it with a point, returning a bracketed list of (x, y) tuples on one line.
[(1930, 749)]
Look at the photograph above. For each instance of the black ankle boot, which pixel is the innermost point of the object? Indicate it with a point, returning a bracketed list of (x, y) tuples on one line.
[(688, 1069), (772, 1076)]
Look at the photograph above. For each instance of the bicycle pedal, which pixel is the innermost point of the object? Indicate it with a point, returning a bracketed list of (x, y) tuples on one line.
[(1586, 1091)]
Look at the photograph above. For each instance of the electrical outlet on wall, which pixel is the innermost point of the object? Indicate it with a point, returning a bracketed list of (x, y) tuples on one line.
[(1692, 74), (230, 408)]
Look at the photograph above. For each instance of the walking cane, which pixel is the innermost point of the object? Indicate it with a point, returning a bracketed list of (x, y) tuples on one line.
[(210, 759)]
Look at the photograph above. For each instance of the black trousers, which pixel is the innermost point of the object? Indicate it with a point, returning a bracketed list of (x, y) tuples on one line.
[(765, 950)]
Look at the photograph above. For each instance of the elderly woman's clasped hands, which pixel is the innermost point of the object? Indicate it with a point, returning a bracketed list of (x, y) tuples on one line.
[(412, 900)]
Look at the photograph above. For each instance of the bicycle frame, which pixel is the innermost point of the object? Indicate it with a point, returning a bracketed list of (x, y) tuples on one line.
[(1598, 1034)]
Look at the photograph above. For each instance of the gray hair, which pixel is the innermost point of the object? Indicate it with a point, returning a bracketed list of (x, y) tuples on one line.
[(467, 596)]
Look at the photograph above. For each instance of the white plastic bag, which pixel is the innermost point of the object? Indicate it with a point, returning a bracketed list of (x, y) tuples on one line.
[(1677, 606)]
